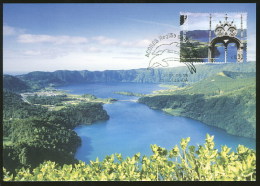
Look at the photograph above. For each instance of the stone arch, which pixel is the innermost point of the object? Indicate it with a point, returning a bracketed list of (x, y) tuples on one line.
[(226, 40)]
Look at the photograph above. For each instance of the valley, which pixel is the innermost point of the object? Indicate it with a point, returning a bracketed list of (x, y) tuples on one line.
[(67, 116)]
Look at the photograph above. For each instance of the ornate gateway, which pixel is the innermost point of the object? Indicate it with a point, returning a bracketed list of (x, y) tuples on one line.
[(226, 33)]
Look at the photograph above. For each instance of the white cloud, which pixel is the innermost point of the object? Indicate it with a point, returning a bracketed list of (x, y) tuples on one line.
[(30, 38), (102, 40), (10, 31), (138, 43), (7, 30), (115, 42), (128, 58), (105, 40), (92, 49), (153, 23), (32, 52), (143, 43), (133, 53), (75, 61), (70, 52), (38, 53)]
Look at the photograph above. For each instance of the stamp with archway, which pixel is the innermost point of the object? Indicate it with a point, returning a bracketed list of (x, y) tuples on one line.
[(213, 37)]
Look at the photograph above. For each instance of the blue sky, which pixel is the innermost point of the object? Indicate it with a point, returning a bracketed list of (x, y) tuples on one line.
[(50, 37)]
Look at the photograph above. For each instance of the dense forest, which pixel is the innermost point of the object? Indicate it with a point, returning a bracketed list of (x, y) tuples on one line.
[(183, 162), (38, 79), (32, 134), (47, 100), (225, 100), (15, 84)]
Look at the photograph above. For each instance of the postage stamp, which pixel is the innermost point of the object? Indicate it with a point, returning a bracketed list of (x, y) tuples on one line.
[(213, 37), (203, 38)]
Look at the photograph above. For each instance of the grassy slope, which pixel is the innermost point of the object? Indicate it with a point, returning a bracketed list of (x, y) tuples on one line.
[(226, 100)]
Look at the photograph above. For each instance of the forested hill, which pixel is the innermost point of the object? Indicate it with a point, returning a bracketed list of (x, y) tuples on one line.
[(32, 134), (14, 84), (40, 79), (225, 100)]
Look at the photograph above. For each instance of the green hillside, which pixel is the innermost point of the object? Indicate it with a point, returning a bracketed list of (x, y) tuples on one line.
[(221, 101), (159, 75), (15, 84), (32, 134)]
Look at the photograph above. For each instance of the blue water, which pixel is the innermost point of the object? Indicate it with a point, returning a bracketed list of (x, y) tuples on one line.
[(106, 90), (133, 127)]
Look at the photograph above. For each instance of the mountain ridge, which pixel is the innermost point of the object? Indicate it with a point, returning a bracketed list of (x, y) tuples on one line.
[(40, 79), (225, 103)]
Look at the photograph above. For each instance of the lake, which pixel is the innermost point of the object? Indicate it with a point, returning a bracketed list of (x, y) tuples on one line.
[(133, 127)]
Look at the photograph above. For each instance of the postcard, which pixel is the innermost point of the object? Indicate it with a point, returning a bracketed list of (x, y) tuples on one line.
[(129, 92)]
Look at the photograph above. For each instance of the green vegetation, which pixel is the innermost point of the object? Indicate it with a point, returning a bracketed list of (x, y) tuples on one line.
[(89, 96), (55, 100), (38, 80), (184, 163), (47, 100), (15, 84), (130, 94), (194, 51), (35, 140), (83, 113), (169, 90), (15, 107), (32, 134), (93, 98), (226, 100)]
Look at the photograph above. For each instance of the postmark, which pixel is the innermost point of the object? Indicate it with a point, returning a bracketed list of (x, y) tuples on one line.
[(164, 51)]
